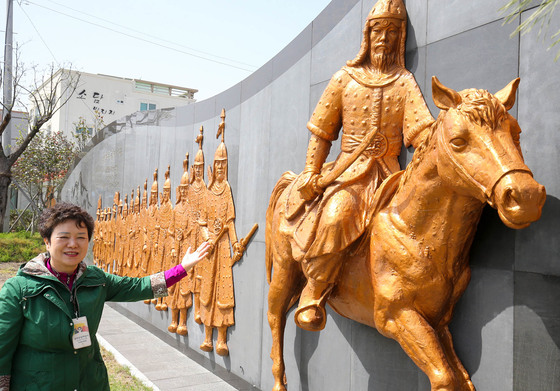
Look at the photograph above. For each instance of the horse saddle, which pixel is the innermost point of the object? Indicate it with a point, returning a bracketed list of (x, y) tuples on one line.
[(309, 212)]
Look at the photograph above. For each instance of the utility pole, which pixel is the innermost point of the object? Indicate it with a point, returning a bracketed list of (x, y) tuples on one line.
[(7, 93)]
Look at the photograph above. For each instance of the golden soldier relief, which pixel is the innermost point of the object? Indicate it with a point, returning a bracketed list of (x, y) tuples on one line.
[(385, 247), (216, 275), (146, 236), (181, 293)]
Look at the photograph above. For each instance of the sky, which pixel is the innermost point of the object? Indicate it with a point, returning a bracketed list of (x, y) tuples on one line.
[(208, 45)]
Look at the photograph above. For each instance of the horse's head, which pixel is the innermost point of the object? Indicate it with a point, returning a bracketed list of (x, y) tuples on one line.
[(479, 154)]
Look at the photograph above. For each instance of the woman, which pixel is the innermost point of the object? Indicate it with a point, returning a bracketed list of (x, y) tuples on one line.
[(50, 312)]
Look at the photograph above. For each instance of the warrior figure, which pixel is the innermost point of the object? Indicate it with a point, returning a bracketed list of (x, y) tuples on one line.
[(375, 101), (138, 239), (150, 230), (197, 199), (119, 237), (167, 256), (97, 233), (143, 223), (181, 297), (124, 236), (216, 292)]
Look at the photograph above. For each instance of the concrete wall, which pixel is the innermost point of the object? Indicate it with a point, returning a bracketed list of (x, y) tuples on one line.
[(506, 327)]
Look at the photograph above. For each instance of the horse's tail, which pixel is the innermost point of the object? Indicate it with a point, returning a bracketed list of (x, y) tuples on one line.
[(286, 178)]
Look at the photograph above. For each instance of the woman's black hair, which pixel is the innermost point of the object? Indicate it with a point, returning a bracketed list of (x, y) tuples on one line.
[(62, 212)]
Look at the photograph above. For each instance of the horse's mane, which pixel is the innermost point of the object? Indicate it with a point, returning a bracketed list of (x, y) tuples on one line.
[(479, 106)]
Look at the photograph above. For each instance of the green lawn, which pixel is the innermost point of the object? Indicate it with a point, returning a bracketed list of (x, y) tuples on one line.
[(20, 246)]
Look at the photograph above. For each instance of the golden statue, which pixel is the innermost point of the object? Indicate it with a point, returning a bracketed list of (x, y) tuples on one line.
[(106, 233), (217, 300), (114, 225), (375, 101), (151, 249), (143, 222), (125, 240), (167, 255), (119, 239), (197, 194), (181, 293), (410, 268), (97, 233), (404, 236), (128, 257), (136, 240)]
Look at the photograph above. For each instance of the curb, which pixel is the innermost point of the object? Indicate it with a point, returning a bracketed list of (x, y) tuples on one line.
[(123, 361)]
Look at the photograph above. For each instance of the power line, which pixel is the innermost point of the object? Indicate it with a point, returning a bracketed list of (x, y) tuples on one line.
[(141, 39), (152, 36), (38, 33)]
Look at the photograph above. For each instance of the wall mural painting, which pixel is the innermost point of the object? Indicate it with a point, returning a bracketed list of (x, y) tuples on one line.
[(385, 247), (144, 236)]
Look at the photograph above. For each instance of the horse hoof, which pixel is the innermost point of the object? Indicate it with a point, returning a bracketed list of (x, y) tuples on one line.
[(182, 330), (197, 319), (207, 346), (172, 327), (279, 387)]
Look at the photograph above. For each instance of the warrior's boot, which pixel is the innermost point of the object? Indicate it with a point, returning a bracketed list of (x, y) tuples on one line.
[(197, 318), (174, 317), (196, 294), (310, 314), (182, 328), (207, 344), (221, 347)]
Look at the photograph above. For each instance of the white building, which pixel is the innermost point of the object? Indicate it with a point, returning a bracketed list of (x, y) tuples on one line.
[(100, 99)]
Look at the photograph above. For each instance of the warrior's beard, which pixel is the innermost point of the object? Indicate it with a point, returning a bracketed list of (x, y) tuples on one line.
[(382, 62)]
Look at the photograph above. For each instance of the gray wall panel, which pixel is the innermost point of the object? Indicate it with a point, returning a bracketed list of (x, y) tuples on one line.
[(538, 249), (505, 327), (288, 133), (481, 58), (341, 44), (447, 18), (537, 332), (482, 328), (417, 12)]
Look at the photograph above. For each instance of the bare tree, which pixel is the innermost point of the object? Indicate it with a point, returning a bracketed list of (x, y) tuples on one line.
[(48, 92)]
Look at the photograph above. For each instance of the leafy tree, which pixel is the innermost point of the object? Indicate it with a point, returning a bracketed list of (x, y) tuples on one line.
[(41, 169), (541, 16), (84, 132), (47, 93)]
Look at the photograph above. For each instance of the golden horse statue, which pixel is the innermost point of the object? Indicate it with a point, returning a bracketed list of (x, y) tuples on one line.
[(408, 270)]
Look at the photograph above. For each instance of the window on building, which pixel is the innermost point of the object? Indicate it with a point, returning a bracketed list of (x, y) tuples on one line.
[(147, 106)]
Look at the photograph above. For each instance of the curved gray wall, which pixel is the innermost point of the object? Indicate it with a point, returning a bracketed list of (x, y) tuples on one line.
[(507, 325)]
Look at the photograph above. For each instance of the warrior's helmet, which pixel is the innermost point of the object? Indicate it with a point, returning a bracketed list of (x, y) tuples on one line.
[(384, 9)]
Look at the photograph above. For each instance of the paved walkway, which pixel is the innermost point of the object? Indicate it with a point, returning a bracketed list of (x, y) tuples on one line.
[(158, 364)]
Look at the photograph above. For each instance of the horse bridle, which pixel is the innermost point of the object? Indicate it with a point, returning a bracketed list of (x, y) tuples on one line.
[(485, 192)]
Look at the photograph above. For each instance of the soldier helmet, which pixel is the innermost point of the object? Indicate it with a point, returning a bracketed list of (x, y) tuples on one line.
[(185, 176), (384, 9), (167, 184)]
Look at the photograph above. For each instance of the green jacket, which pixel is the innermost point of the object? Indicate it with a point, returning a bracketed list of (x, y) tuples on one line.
[(36, 312)]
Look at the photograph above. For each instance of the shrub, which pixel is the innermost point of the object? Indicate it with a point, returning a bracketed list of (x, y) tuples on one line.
[(20, 246), (24, 221)]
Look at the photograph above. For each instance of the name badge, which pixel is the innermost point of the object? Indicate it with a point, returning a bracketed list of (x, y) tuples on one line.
[(81, 338)]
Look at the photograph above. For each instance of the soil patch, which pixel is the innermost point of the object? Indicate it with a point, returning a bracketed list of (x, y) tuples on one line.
[(7, 270)]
